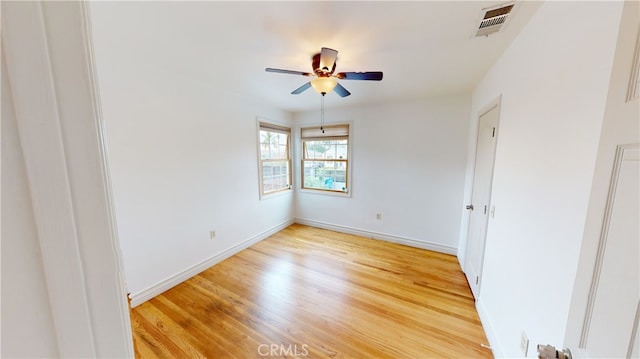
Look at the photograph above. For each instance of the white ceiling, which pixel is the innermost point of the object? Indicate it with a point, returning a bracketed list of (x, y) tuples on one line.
[(424, 48)]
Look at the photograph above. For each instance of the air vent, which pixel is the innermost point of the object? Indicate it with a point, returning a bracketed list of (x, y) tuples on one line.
[(494, 19)]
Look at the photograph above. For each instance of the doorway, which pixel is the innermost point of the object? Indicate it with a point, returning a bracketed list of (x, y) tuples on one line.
[(480, 206)]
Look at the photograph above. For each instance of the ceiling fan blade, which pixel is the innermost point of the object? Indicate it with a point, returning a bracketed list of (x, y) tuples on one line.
[(290, 72), (371, 75), (328, 59), (341, 91), (301, 89)]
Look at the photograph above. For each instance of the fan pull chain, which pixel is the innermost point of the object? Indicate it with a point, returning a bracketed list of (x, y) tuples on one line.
[(322, 113)]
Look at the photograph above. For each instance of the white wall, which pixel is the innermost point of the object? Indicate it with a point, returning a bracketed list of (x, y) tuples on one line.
[(183, 160), (27, 324), (554, 80), (408, 164)]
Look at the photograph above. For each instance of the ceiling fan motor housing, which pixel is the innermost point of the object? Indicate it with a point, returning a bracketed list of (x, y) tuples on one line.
[(321, 72)]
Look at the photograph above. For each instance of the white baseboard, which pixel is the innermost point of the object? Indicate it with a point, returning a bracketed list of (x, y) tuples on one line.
[(380, 236), (170, 282), (494, 342), (142, 296)]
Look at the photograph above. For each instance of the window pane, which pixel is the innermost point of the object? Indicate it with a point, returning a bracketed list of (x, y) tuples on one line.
[(274, 158), (273, 145), (327, 175), (275, 175), (325, 149)]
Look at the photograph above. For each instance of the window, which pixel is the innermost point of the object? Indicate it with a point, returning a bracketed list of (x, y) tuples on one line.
[(275, 159), (325, 158)]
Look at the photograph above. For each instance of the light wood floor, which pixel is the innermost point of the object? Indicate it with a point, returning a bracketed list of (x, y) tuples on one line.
[(308, 292)]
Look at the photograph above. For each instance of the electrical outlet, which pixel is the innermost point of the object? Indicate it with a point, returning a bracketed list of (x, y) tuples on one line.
[(212, 234), (524, 343), (378, 216)]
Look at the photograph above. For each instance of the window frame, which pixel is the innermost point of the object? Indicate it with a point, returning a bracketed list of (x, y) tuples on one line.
[(347, 126), (270, 126)]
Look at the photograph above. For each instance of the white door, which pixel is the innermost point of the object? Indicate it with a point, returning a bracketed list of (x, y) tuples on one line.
[(611, 323), (613, 312), (480, 197)]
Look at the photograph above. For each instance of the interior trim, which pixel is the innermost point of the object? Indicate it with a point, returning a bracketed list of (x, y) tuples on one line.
[(170, 282), (31, 75), (148, 293), (492, 337), (380, 236)]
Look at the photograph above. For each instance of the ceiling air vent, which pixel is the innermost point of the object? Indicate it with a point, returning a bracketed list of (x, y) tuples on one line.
[(493, 19)]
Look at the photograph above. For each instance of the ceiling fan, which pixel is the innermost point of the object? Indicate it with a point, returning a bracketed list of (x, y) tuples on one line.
[(324, 81)]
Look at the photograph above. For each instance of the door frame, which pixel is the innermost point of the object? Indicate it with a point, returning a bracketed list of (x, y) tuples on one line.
[(495, 103), (48, 51)]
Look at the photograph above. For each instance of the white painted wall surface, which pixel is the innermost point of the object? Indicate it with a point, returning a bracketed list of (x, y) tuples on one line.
[(554, 80), (408, 162), (183, 160), (25, 302)]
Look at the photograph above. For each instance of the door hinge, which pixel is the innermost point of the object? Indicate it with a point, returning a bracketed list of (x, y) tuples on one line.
[(494, 133), (485, 209), (477, 278)]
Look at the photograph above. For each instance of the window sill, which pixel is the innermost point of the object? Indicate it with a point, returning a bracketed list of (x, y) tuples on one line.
[(326, 193), (276, 194)]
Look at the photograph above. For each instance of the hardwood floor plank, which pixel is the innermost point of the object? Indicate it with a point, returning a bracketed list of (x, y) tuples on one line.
[(211, 344), (276, 311), (367, 300), (184, 343), (277, 321), (309, 292)]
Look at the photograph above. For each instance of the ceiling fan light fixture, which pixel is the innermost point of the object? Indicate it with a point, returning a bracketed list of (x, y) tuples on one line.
[(323, 79), (324, 85)]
